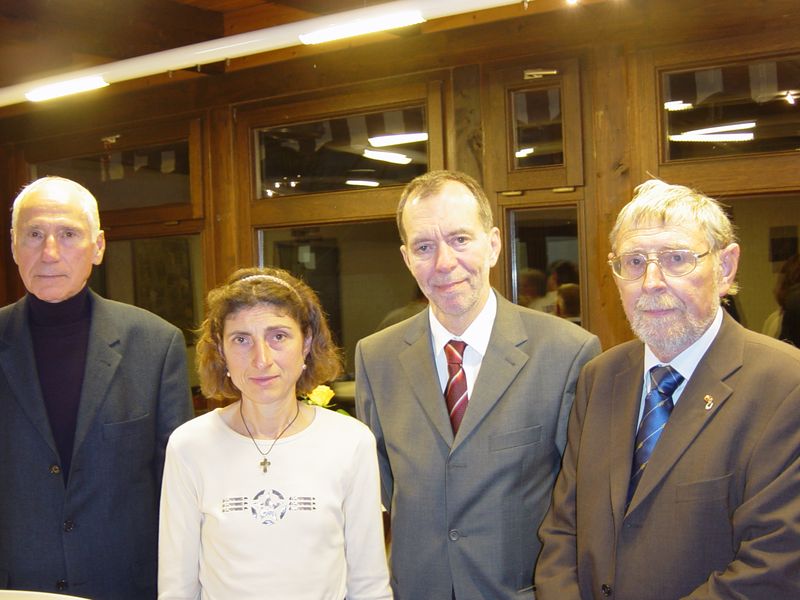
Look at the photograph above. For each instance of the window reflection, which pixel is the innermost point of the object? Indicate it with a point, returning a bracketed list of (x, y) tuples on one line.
[(729, 110), (545, 260), (163, 275), (352, 152), (120, 179), (538, 139)]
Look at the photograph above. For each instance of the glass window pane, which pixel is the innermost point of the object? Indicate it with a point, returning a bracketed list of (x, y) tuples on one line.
[(545, 260), (768, 228), (731, 110), (163, 275), (137, 178), (359, 151), (538, 137), (357, 271)]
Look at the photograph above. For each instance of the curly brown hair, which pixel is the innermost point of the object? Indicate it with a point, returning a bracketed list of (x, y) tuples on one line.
[(250, 287)]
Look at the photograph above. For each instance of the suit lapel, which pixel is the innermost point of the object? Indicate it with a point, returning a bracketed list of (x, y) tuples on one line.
[(102, 360), (19, 367), (500, 366), (418, 362), (626, 395), (690, 416)]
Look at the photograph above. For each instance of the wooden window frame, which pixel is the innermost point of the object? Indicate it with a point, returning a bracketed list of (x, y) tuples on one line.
[(151, 221), (502, 80), (337, 206), (746, 174)]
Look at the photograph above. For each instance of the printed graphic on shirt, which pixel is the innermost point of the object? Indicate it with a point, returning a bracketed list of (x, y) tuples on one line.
[(268, 506)]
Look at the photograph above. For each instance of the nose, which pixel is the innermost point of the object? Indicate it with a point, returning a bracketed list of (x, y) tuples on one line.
[(653, 277), (50, 250), (445, 258), (262, 356)]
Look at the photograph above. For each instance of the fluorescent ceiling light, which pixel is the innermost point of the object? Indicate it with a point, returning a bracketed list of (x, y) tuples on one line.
[(523, 152), (381, 141), (245, 44), (362, 182), (711, 137), (65, 88), (390, 157), (674, 105), (362, 26)]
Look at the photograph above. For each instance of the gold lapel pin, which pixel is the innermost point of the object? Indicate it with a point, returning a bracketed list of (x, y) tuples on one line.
[(709, 402)]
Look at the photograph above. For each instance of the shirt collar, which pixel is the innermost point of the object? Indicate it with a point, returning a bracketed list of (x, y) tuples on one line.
[(476, 335)]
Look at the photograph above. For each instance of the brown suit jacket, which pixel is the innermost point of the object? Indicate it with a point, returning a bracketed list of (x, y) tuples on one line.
[(717, 512)]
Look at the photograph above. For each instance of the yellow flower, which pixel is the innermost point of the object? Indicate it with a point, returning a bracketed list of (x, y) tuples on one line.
[(320, 396)]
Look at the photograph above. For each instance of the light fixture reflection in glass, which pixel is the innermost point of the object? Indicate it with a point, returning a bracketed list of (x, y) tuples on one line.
[(362, 26), (362, 182), (675, 105), (712, 137), (381, 141), (523, 152), (390, 157), (722, 128), (789, 98), (64, 88), (719, 133)]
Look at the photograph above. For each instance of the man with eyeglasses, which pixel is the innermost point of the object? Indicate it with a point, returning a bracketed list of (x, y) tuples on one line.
[(681, 477)]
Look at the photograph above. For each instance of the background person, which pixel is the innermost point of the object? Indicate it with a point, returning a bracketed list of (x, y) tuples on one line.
[(697, 501), (90, 390), (466, 485), (788, 280), (269, 496), (558, 273)]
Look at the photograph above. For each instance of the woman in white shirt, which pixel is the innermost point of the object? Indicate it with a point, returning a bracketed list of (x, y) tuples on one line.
[(270, 497)]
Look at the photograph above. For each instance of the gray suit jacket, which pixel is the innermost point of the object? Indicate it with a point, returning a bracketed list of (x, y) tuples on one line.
[(464, 510), (717, 512), (99, 533)]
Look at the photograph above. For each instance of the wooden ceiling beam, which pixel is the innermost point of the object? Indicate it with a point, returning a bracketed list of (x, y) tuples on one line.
[(107, 30)]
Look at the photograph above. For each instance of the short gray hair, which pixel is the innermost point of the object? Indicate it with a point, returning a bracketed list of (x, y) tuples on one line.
[(656, 202), (87, 201)]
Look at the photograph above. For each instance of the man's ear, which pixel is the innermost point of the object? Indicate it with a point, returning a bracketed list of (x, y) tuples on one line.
[(404, 252), (729, 264), (100, 250), (495, 244), (13, 247)]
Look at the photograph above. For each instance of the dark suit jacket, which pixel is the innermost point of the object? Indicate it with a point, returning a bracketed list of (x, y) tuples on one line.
[(464, 511), (99, 534), (717, 511)]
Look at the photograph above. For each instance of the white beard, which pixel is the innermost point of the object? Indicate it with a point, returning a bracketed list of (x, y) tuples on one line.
[(668, 336)]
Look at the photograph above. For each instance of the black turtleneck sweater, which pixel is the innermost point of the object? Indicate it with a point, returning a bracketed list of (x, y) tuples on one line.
[(60, 332)]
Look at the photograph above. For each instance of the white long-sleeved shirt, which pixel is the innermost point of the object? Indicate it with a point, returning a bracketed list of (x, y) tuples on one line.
[(309, 528)]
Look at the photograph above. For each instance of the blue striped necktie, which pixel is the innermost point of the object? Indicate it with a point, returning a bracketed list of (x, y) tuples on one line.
[(657, 408)]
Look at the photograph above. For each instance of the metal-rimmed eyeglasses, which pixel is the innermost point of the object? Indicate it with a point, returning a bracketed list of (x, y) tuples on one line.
[(631, 266)]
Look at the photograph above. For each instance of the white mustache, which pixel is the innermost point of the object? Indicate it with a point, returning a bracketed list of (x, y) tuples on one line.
[(660, 302)]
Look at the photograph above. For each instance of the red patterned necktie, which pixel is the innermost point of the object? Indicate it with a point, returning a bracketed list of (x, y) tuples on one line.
[(455, 393)]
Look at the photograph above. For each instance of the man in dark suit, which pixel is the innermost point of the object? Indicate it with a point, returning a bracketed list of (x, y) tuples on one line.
[(469, 438), (90, 390), (684, 483)]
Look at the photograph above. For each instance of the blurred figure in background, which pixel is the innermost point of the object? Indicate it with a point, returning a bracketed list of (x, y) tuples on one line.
[(558, 273), (788, 278), (568, 302)]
